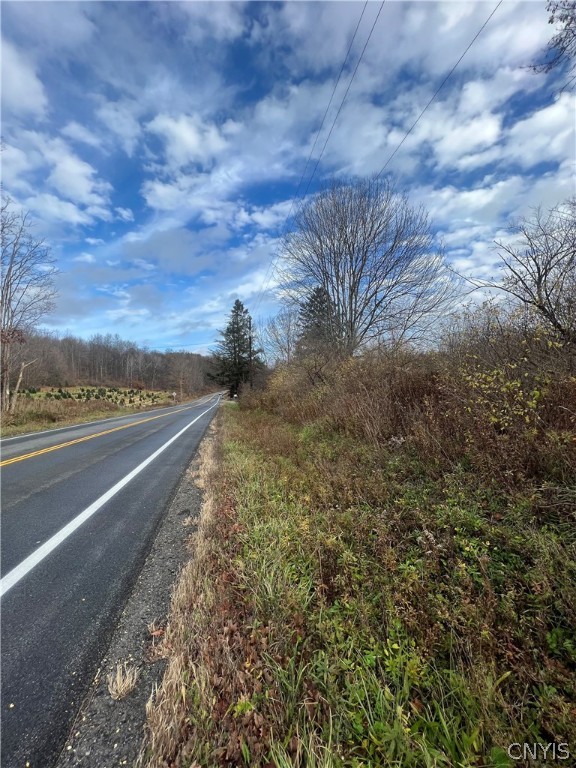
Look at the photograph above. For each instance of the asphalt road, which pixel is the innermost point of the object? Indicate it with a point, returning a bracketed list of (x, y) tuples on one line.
[(80, 507)]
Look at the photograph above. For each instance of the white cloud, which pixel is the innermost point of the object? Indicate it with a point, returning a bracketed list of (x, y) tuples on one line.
[(257, 282), (136, 315), (121, 117), (125, 214), (264, 217), (548, 134), (452, 137), (52, 208), (432, 36), (482, 94), (51, 27), (76, 179), (85, 258), (94, 241), (166, 196), (143, 264), (22, 91), (80, 133), (116, 291), (41, 160), (316, 35), (225, 21), (15, 165), (188, 139)]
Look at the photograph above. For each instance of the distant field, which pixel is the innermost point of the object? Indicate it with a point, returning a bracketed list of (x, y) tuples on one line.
[(45, 407)]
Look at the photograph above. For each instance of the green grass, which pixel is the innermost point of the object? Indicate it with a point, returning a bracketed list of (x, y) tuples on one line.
[(383, 615), (440, 615)]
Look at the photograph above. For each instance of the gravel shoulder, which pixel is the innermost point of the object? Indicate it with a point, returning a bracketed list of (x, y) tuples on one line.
[(109, 732)]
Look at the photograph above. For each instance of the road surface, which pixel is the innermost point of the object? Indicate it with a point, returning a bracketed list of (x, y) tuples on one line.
[(80, 506)]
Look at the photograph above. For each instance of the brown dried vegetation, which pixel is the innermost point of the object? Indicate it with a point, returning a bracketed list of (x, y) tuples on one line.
[(383, 573)]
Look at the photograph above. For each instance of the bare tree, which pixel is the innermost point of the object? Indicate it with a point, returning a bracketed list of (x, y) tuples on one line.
[(540, 267), (281, 334), (27, 294), (376, 258), (561, 48), (186, 372)]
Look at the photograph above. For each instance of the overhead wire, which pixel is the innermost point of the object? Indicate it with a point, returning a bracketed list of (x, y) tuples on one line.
[(344, 97), (267, 276), (327, 110), (408, 132), (295, 199), (442, 84)]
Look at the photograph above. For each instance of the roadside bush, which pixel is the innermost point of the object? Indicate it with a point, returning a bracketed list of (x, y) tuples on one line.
[(495, 422), (361, 607)]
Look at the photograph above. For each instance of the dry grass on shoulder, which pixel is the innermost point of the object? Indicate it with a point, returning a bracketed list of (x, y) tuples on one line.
[(203, 704), (123, 681)]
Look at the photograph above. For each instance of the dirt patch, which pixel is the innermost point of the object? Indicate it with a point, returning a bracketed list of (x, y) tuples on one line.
[(108, 731)]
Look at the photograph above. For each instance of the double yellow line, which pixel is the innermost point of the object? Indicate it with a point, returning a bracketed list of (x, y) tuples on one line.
[(80, 440)]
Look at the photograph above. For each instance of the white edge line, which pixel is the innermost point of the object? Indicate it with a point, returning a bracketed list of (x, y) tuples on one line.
[(183, 407), (17, 573)]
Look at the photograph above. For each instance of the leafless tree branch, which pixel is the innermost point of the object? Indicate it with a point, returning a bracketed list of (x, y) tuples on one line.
[(27, 290), (375, 256), (539, 264), (561, 48)]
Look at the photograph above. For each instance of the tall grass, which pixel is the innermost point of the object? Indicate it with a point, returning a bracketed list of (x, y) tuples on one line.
[(391, 573)]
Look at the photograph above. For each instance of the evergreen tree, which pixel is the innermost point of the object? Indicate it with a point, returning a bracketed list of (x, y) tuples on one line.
[(318, 322), (234, 358)]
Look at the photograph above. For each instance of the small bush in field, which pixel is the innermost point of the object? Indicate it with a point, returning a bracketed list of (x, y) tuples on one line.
[(501, 395)]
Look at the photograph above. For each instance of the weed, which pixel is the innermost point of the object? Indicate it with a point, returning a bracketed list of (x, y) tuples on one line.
[(384, 576), (122, 681)]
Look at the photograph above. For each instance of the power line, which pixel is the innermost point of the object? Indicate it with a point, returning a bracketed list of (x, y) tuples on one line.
[(414, 124), (442, 84), (345, 95), (267, 276), (327, 110)]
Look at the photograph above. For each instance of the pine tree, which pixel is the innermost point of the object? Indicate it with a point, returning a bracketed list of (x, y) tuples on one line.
[(234, 358), (318, 322)]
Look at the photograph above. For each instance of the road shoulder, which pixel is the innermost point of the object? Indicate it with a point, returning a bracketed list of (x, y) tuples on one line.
[(109, 732)]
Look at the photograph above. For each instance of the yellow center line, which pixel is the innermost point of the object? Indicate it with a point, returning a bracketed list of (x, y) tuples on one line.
[(82, 439)]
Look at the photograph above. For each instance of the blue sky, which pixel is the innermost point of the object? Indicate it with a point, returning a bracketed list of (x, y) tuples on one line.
[(159, 146)]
